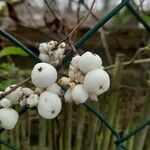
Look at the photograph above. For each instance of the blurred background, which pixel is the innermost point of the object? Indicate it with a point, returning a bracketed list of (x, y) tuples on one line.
[(122, 41)]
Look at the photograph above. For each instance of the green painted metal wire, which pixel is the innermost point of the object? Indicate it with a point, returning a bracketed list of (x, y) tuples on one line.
[(139, 18), (143, 125), (101, 118), (19, 44), (98, 25), (12, 147)]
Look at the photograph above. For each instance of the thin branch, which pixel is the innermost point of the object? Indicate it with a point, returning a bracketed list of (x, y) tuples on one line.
[(139, 61), (69, 36), (106, 47), (80, 23), (14, 88)]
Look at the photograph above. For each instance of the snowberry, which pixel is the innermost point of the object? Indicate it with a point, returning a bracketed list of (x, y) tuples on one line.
[(5, 103), (27, 91), (62, 45), (43, 75), (44, 57), (23, 102), (8, 118), (79, 94), (75, 63), (32, 100), (51, 45), (89, 61), (67, 96), (96, 82), (15, 95), (49, 105), (79, 77), (55, 88), (60, 53), (43, 48), (64, 81)]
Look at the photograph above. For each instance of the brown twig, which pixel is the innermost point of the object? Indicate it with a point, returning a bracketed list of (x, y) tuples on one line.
[(139, 61), (14, 88), (51, 10), (69, 36), (80, 23), (102, 34)]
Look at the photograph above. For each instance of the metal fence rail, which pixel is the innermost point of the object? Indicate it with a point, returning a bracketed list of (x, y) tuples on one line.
[(119, 139)]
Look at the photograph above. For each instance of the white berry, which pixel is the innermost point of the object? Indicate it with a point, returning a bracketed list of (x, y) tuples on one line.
[(44, 57), (62, 45), (96, 82), (43, 48), (6, 103), (68, 96), (75, 63), (51, 45), (15, 95), (43, 75), (79, 94), (55, 88), (89, 61), (8, 118), (27, 91), (23, 102), (49, 105), (32, 100)]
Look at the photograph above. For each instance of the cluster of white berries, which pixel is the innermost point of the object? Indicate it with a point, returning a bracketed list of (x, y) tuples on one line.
[(45, 96), (51, 52), (86, 79)]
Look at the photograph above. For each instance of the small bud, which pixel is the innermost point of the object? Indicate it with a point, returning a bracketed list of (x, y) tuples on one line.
[(5, 103), (64, 81), (32, 100)]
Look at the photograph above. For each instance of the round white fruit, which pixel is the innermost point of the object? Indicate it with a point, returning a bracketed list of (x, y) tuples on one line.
[(8, 118), (27, 91), (79, 94), (55, 88), (43, 48), (43, 75), (32, 100), (62, 45), (89, 61), (15, 95), (68, 96), (74, 65), (44, 57), (6, 103), (51, 45), (49, 105), (96, 81)]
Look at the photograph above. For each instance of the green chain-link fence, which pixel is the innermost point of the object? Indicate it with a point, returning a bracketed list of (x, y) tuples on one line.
[(119, 139)]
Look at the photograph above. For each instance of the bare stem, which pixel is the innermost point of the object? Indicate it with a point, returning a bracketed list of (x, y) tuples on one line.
[(78, 25), (139, 61), (14, 88)]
